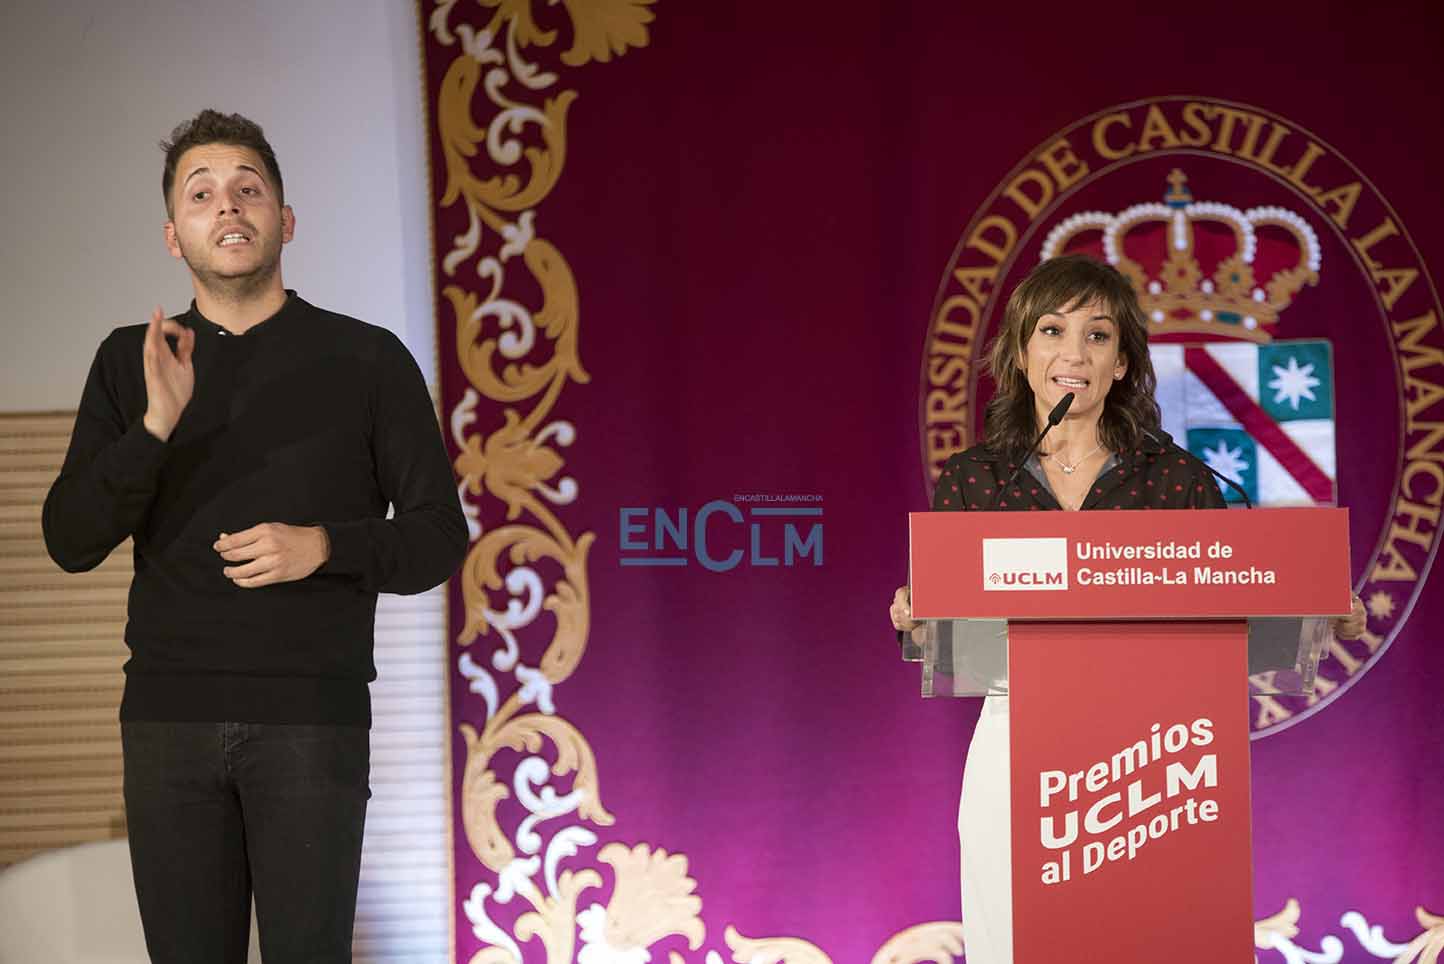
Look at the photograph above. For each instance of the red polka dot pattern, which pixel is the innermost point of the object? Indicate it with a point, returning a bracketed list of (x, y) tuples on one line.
[(1143, 478)]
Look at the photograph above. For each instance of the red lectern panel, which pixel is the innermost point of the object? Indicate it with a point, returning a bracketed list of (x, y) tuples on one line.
[(1129, 731), (1130, 789), (1119, 565)]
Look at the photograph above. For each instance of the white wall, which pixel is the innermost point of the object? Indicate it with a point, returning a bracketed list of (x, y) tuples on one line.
[(87, 90)]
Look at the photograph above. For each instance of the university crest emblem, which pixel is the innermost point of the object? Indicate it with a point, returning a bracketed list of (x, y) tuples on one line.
[(1294, 329)]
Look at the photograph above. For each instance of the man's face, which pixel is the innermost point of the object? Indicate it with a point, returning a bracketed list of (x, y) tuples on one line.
[(228, 222)]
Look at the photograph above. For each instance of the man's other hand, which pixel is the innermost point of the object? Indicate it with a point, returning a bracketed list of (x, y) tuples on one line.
[(273, 552)]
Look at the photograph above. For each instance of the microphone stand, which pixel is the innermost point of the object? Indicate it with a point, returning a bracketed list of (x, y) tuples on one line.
[(1054, 417), (1247, 502)]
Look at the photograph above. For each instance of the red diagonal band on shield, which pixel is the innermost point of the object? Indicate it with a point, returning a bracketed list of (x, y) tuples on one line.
[(1259, 424)]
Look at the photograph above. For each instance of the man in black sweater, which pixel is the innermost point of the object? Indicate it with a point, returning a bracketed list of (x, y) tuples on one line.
[(251, 447)]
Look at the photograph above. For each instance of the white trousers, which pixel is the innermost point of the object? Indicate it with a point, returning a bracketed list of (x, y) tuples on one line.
[(984, 831)]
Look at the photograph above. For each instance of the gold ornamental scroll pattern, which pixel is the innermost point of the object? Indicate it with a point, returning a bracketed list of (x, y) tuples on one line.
[(500, 121), (514, 310)]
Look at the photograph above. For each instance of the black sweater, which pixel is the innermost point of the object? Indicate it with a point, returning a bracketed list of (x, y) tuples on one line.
[(309, 418)]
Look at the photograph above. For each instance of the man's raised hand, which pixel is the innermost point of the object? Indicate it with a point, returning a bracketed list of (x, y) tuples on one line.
[(170, 378), (273, 552)]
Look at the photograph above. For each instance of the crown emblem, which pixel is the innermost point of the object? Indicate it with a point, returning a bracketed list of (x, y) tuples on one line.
[(1200, 267)]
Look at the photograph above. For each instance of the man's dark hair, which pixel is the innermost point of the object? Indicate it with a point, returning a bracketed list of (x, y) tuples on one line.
[(213, 127)]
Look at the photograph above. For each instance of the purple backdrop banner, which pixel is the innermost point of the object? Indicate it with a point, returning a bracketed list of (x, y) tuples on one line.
[(712, 286)]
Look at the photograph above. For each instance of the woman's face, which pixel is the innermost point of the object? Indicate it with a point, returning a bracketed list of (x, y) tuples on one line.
[(1073, 351)]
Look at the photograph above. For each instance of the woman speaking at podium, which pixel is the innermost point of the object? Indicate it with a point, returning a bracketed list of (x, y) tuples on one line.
[(1073, 425)]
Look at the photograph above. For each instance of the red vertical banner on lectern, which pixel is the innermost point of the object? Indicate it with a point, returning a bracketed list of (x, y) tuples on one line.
[(1130, 791)]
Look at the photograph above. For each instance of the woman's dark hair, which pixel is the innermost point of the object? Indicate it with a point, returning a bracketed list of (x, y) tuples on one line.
[(1059, 285), (213, 127)]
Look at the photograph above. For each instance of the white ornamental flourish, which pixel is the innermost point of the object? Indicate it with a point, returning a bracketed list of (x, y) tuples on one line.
[(596, 949), (1277, 933)]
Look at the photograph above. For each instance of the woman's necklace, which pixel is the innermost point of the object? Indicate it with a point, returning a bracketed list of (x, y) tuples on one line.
[(1070, 469)]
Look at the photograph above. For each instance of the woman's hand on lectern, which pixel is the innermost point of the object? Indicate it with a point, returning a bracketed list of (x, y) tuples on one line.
[(1351, 626), (902, 610)]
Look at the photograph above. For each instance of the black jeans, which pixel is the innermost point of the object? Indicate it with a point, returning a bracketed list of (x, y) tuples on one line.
[(217, 811)]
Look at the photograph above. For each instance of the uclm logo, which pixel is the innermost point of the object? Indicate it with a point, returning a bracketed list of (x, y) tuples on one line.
[(1029, 580), (1025, 564)]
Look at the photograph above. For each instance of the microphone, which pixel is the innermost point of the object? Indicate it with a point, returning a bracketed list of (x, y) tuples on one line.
[(1054, 417)]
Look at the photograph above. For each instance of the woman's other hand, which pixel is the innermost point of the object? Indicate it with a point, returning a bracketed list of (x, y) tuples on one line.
[(1351, 626), (901, 611)]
